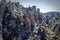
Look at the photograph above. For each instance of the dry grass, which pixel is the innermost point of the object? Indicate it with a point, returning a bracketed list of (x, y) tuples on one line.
[(1, 37)]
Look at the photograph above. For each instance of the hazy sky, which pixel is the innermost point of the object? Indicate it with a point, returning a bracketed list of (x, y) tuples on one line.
[(44, 5)]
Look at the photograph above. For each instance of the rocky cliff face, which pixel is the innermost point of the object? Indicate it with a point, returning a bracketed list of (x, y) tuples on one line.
[(20, 23)]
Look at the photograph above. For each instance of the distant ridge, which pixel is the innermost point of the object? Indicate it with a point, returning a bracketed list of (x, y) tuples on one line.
[(51, 13)]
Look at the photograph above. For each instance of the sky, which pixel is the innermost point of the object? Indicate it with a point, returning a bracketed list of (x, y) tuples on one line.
[(43, 5)]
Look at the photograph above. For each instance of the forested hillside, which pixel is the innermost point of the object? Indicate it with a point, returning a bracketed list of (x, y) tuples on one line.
[(20, 23)]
